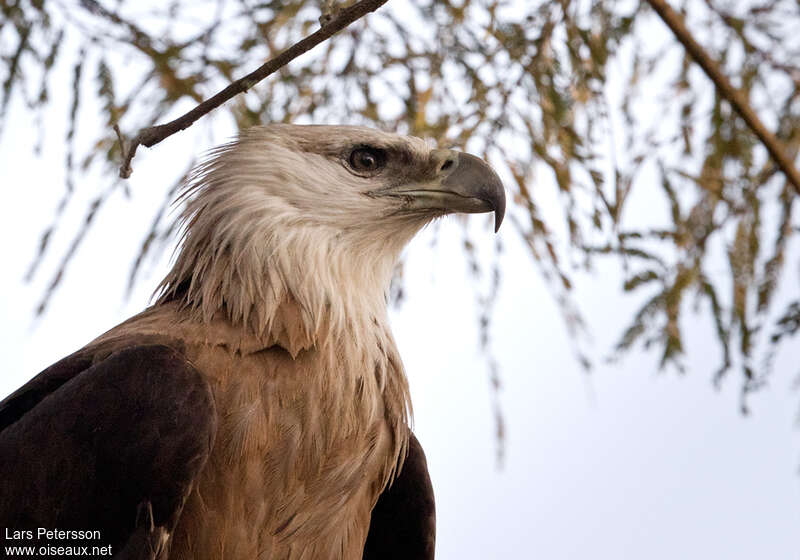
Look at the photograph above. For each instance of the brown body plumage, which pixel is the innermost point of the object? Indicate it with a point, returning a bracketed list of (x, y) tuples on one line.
[(298, 438), (282, 416)]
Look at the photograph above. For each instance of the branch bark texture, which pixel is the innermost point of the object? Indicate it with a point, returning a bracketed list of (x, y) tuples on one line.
[(735, 97), (152, 135)]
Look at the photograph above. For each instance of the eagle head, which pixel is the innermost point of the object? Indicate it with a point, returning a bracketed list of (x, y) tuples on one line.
[(314, 214)]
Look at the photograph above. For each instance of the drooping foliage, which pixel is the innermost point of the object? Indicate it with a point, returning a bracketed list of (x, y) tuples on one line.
[(597, 98)]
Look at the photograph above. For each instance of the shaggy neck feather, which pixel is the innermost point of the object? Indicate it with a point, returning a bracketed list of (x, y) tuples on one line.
[(262, 282)]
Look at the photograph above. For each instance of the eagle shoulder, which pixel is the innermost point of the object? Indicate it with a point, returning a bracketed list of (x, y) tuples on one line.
[(110, 443)]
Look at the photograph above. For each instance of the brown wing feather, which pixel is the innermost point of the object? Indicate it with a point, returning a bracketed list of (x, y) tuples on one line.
[(112, 446), (403, 523)]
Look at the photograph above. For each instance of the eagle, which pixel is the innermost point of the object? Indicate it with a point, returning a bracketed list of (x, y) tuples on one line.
[(258, 409)]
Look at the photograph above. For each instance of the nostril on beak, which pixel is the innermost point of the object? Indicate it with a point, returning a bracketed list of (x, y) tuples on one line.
[(447, 164)]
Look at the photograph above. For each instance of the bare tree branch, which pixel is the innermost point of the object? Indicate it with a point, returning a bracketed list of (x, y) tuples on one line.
[(152, 135), (735, 97)]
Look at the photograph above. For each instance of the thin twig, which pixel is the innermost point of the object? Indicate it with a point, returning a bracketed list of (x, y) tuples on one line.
[(121, 140), (735, 97), (152, 135)]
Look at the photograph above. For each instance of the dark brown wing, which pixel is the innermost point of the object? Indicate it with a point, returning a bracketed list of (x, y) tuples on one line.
[(403, 524), (112, 446)]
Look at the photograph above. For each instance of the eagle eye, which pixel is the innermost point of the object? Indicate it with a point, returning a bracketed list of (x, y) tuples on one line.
[(367, 160)]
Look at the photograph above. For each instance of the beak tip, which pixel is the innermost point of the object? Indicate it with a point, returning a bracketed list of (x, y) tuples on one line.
[(500, 209)]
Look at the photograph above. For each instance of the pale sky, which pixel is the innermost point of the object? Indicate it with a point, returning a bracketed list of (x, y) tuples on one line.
[(620, 463)]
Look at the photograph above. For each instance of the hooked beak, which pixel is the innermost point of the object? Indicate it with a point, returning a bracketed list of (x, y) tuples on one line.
[(462, 183)]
